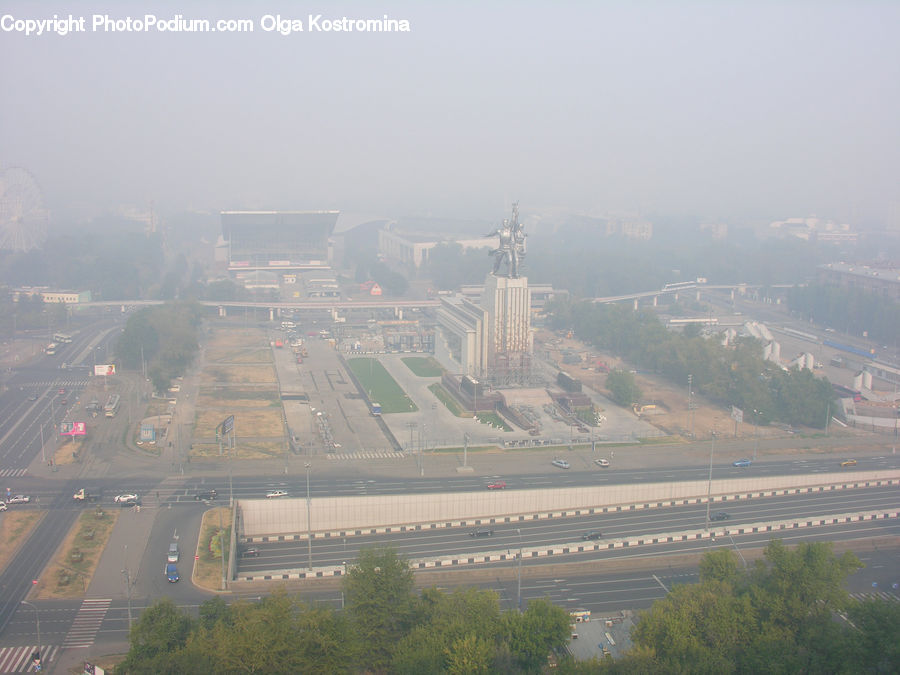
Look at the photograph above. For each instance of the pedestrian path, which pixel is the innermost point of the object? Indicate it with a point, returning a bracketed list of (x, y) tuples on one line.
[(18, 659), (87, 623), (12, 473), (346, 456)]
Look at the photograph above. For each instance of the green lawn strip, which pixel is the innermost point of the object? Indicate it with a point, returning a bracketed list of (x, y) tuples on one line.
[(447, 399), (423, 366), (494, 420), (381, 387)]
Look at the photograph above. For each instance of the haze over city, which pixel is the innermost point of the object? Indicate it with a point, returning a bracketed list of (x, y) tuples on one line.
[(739, 110)]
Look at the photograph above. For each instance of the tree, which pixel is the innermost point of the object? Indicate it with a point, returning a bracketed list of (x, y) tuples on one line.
[(160, 632), (532, 635), (379, 601), (622, 387), (720, 565)]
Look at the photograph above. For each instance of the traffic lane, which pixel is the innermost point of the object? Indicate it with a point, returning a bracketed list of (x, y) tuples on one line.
[(56, 617), (554, 532)]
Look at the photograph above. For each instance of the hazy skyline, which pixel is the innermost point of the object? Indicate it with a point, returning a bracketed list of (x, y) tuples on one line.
[(722, 110)]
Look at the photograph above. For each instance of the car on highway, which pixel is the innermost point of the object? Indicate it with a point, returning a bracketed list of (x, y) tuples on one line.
[(61, 391), (18, 499), (3, 506), (251, 552), (275, 493), (593, 534), (848, 462), (126, 498), (560, 463), (481, 532), (497, 485), (172, 573), (742, 463), (602, 462), (33, 397), (720, 515), (206, 495)]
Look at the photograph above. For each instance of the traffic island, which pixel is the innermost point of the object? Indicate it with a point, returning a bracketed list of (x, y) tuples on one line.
[(70, 571), (215, 528)]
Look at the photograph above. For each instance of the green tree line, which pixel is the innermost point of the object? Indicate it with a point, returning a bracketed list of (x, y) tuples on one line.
[(385, 628), (851, 310), (736, 374), (162, 338), (788, 613)]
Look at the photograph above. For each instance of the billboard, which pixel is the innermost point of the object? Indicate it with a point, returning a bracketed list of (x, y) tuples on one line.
[(104, 369), (737, 414), (148, 432), (228, 424), (72, 429)]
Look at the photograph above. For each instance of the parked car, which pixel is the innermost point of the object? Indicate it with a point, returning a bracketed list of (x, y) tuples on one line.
[(205, 495), (593, 534), (275, 493), (251, 552), (742, 463), (720, 515), (18, 499), (602, 462), (481, 532), (126, 499), (497, 485), (172, 573), (560, 463), (848, 462)]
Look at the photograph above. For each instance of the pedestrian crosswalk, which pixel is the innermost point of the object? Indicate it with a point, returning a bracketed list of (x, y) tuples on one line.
[(12, 473), (876, 595), (345, 456), (18, 659), (68, 384), (87, 622)]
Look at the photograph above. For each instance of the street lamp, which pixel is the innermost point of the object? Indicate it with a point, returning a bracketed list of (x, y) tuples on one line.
[(37, 621), (519, 574), (712, 449), (756, 416), (308, 523)]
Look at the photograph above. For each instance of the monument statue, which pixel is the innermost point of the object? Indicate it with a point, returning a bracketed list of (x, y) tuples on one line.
[(512, 245)]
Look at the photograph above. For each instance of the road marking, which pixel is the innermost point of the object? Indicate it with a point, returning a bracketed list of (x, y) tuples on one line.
[(18, 659), (87, 622)]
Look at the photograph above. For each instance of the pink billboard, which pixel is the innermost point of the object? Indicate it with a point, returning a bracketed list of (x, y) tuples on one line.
[(104, 369), (72, 429)]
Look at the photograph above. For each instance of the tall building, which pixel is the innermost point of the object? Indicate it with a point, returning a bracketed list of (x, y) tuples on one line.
[(281, 240)]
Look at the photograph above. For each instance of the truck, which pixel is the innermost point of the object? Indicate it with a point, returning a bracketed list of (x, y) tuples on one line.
[(86, 496)]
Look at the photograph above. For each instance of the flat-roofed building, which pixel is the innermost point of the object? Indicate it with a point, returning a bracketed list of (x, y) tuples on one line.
[(277, 240)]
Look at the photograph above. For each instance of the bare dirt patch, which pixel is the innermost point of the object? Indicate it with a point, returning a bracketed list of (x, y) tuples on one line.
[(15, 526), (70, 572), (216, 373)]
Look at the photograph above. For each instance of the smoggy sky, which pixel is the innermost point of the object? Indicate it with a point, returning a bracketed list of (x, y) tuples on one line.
[(730, 110)]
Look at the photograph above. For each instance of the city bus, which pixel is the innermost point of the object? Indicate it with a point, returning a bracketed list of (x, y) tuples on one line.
[(112, 406), (64, 338)]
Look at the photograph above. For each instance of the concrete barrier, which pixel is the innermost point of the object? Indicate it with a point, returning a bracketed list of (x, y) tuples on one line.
[(286, 519)]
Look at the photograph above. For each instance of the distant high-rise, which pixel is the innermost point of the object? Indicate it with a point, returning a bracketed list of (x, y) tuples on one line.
[(271, 240)]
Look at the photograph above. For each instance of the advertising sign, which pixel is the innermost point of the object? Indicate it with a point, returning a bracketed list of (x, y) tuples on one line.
[(102, 370), (228, 424), (148, 432), (72, 429), (737, 414)]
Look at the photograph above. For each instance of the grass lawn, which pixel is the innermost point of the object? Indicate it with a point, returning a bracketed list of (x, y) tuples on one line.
[(381, 386), (447, 399), (423, 366), (494, 420), (208, 566)]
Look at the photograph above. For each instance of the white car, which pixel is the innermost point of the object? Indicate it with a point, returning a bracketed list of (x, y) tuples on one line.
[(275, 493), (19, 499), (602, 462), (560, 463), (125, 499), (3, 506)]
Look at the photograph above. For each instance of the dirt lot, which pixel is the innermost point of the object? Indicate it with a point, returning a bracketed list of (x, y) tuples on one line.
[(671, 414)]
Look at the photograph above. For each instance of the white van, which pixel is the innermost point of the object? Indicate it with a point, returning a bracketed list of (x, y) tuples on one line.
[(173, 552)]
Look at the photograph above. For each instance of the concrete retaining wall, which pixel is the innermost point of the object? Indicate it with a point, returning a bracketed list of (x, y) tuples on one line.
[(287, 517)]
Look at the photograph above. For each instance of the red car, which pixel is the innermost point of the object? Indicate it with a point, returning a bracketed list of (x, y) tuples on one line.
[(497, 485)]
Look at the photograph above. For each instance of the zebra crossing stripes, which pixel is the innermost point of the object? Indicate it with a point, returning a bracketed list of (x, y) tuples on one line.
[(344, 456), (87, 623), (876, 595), (12, 473), (71, 384), (18, 659)]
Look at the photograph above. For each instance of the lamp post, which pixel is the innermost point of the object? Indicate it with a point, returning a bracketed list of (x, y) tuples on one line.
[(308, 523), (519, 574), (37, 621), (756, 416), (712, 449)]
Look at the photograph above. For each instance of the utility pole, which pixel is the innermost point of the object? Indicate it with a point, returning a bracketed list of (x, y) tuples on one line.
[(128, 586), (519, 574), (690, 406), (37, 620), (308, 523), (756, 414), (712, 449)]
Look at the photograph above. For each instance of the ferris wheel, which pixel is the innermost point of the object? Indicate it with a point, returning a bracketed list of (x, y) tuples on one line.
[(23, 218)]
